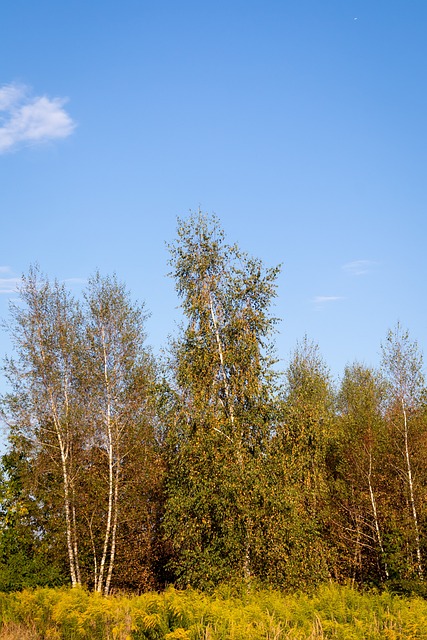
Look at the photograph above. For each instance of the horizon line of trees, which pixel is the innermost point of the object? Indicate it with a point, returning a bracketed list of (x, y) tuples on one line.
[(124, 472)]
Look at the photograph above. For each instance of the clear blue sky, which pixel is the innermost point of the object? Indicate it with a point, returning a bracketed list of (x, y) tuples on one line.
[(300, 123)]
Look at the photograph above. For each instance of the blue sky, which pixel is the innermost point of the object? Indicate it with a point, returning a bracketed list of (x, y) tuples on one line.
[(300, 123)]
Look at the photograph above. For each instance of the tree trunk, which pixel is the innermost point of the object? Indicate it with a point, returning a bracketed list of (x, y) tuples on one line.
[(374, 511), (411, 493)]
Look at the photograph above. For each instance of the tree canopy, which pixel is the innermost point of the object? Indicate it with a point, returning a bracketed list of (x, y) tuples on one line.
[(207, 464)]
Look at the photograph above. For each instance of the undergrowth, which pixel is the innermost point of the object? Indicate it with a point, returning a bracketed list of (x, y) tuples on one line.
[(330, 612)]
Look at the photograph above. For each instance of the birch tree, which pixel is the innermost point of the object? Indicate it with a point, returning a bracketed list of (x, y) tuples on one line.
[(362, 488), (298, 466), (308, 419), (42, 408), (119, 377), (222, 380), (402, 364), (82, 411)]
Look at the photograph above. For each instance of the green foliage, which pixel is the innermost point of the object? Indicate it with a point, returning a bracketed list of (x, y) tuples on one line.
[(297, 545), (360, 481), (26, 559), (220, 420), (222, 471), (402, 368)]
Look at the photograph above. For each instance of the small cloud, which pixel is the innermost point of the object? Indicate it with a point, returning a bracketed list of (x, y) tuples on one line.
[(75, 280), (358, 267), (30, 119), (9, 285), (325, 299)]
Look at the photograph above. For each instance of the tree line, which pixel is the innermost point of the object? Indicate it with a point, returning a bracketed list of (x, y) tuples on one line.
[(124, 471)]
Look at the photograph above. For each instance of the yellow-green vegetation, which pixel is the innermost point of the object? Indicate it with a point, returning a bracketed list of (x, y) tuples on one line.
[(330, 612)]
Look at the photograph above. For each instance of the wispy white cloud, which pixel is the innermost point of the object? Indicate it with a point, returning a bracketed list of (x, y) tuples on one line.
[(11, 94), (325, 299), (9, 282), (25, 118), (9, 285), (76, 281), (358, 267)]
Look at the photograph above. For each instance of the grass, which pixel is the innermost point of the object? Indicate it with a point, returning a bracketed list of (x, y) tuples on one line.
[(330, 612)]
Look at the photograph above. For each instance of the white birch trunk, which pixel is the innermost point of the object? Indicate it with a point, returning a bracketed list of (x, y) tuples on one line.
[(246, 559), (411, 492), (374, 511), (64, 454), (110, 498), (71, 557), (113, 488), (95, 559), (221, 359), (114, 531)]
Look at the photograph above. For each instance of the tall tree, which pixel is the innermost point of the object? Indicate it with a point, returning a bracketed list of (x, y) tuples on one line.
[(46, 331), (117, 389), (402, 364), (361, 483), (308, 418), (82, 409), (223, 381), (298, 467)]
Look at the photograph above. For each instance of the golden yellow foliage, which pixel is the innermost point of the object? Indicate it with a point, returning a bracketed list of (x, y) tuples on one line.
[(245, 614)]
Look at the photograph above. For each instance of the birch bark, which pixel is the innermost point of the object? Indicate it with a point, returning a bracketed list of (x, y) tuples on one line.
[(411, 491), (46, 332), (116, 371), (402, 365)]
